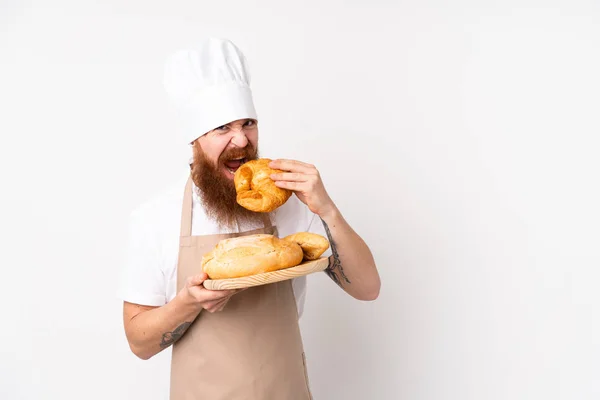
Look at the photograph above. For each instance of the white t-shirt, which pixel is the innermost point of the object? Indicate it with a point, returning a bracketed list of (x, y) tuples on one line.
[(149, 276)]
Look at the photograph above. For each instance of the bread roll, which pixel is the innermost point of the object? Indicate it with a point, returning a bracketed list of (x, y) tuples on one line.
[(250, 255), (255, 189), (313, 245)]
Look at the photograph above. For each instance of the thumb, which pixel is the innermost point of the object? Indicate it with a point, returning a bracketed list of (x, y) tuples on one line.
[(196, 280)]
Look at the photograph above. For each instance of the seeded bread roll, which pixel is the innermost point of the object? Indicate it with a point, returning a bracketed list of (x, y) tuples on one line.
[(255, 189), (250, 255), (313, 245)]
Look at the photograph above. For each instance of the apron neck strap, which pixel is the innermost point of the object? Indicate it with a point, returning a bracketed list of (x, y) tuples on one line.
[(266, 220), (186, 209)]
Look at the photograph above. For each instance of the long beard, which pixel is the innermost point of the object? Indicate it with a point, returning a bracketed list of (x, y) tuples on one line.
[(217, 192)]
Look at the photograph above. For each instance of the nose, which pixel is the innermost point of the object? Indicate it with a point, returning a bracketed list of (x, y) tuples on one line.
[(239, 138)]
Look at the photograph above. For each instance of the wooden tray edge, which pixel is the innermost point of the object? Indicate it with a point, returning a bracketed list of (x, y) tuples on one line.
[(303, 269)]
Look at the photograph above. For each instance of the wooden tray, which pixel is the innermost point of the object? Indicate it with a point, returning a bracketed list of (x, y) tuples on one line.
[(302, 269)]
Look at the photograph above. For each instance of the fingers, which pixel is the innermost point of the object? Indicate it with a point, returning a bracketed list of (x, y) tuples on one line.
[(222, 304), (293, 166), (217, 295), (215, 306), (290, 177), (295, 186), (218, 305), (210, 300), (196, 280), (306, 186), (301, 177)]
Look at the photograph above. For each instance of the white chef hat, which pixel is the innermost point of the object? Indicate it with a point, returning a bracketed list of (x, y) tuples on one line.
[(209, 86)]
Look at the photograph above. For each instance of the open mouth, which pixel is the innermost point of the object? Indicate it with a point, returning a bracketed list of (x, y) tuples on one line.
[(233, 165)]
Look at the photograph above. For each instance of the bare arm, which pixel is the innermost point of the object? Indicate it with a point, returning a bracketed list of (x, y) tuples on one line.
[(149, 330), (351, 264)]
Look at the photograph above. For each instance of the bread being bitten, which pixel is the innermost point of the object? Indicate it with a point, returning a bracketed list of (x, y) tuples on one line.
[(313, 245), (255, 189), (249, 255)]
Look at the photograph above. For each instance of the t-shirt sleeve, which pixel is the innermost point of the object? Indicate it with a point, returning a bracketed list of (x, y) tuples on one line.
[(316, 226), (142, 280)]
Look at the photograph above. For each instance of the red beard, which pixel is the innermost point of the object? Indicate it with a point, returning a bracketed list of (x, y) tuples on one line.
[(217, 192)]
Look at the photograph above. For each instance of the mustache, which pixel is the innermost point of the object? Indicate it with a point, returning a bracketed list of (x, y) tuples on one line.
[(247, 152)]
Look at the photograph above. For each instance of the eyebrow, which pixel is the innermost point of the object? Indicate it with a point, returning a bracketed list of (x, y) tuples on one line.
[(228, 125)]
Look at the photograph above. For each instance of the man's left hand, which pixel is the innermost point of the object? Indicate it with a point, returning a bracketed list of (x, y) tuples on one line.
[(305, 181)]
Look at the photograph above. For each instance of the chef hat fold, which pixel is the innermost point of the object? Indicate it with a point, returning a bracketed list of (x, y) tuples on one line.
[(209, 86)]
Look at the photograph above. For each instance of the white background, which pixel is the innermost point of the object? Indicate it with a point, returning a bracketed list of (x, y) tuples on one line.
[(460, 139)]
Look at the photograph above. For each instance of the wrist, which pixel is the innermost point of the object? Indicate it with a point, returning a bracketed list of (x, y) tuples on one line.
[(186, 301), (330, 213)]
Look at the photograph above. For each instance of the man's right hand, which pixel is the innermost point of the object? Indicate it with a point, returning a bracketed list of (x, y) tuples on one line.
[(210, 300), (150, 329)]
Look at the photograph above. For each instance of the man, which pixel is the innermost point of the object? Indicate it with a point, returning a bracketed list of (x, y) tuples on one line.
[(230, 344)]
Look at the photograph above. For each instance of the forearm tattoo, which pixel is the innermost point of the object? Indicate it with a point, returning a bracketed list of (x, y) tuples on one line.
[(171, 337), (334, 270)]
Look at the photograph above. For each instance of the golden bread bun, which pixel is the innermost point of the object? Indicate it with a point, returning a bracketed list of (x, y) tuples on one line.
[(255, 189), (249, 255), (313, 245)]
